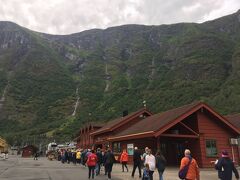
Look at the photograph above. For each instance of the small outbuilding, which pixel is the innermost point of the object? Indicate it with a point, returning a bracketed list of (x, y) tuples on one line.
[(29, 150)]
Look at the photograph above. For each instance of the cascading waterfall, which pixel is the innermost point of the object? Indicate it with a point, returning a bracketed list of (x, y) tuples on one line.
[(76, 104), (151, 75), (107, 79), (3, 96)]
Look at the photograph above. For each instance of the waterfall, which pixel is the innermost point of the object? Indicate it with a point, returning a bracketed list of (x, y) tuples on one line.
[(107, 79), (76, 104), (3, 96), (151, 75)]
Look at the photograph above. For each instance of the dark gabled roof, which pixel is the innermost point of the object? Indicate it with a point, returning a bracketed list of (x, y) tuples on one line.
[(234, 119), (110, 125), (162, 121), (157, 121)]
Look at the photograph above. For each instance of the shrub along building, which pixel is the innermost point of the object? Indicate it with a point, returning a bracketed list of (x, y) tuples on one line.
[(84, 140)]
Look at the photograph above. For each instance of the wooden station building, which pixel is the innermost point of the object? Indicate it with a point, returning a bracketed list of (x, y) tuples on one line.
[(111, 128), (195, 126), (84, 140)]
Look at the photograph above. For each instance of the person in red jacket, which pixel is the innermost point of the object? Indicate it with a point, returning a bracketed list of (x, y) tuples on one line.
[(91, 163), (124, 159)]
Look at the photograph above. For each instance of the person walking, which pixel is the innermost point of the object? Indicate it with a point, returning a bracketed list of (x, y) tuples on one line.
[(91, 163), (65, 156), (193, 170), (160, 164), (146, 172), (74, 158), (144, 155), (99, 162), (225, 167), (109, 160), (124, 160), (137, 162), (36, 156), (104, 161), (78, 157), (83, 157), (69, 156), (151, 160)]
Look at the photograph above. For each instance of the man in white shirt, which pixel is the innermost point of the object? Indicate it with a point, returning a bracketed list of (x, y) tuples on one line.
[(150, 159)]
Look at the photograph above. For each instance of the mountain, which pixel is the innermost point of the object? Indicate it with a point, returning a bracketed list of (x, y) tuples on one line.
[(52, 84)]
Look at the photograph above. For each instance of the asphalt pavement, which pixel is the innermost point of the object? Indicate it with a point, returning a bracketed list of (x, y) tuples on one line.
[(18, 168)]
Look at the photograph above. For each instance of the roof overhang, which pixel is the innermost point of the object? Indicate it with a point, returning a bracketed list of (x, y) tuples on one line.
[(124, 121), (132, 136)]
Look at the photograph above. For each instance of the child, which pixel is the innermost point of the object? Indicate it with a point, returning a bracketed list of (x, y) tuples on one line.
[(146, 173)]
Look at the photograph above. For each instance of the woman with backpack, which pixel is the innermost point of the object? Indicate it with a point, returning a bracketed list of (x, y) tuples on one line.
[(91, 163), (189, 168)]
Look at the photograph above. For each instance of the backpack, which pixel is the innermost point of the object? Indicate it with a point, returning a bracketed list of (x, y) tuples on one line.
[(145, 174), (183, 172)]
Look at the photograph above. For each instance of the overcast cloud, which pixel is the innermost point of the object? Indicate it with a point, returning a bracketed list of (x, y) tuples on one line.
[(70, 16)]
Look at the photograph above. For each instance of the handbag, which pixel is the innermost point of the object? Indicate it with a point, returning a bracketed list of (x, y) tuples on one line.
[(183, 172)]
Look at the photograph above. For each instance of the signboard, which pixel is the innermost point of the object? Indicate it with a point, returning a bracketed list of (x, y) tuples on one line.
[(233, 141), (130, 149)]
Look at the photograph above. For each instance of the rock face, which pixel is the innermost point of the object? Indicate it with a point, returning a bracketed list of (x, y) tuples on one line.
[(114, 69)]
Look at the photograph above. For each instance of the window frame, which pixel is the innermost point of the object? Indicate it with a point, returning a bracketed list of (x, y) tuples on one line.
[(117, 147), (211, 144)]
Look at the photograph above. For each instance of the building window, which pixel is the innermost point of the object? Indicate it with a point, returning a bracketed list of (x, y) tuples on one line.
[(117, 148), (211, 148)]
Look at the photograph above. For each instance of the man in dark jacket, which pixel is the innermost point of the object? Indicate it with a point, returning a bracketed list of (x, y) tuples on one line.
[(109, 160), (225, 167), (137, 162), (99, 162)]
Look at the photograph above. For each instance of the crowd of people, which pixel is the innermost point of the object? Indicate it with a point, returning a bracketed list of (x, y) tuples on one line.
[(93, 160), (146, 163)]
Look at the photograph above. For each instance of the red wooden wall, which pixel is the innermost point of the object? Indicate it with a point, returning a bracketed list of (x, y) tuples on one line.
[(212, 128)]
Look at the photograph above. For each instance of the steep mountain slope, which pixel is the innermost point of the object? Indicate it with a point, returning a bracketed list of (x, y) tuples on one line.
[(51, 84), (38, 88)]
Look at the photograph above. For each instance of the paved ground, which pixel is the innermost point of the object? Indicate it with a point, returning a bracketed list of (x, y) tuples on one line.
[(17, 168)]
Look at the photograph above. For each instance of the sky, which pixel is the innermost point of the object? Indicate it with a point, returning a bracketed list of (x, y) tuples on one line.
[(71, 16)]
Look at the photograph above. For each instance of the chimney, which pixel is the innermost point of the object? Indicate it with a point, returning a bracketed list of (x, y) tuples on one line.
[(125, 113)]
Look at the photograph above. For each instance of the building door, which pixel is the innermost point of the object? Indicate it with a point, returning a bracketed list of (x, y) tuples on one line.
[(173, 151), (179, 149)]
